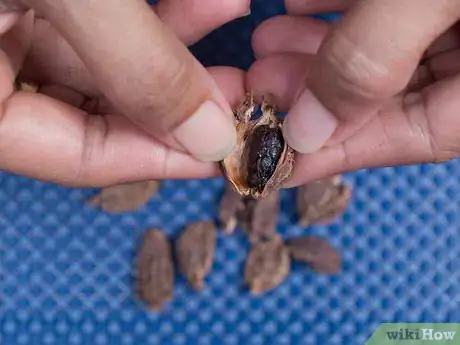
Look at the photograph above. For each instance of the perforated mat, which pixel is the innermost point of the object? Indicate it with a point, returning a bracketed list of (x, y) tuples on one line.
[(66, 268)]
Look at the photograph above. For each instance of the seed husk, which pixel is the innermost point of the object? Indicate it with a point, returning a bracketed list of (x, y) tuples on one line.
[(125, 197), (316, 253), (195, 252), (267, 265), (231, 205), (260, 216), (322, 201), (155, 270)]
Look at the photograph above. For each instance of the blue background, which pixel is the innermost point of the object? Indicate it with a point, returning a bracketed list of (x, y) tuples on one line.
[(66, 268)]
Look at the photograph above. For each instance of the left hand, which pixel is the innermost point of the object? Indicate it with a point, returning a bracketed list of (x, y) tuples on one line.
[(69, 133)]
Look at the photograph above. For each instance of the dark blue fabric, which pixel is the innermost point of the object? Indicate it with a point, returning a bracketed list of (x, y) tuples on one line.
[(66, 268)]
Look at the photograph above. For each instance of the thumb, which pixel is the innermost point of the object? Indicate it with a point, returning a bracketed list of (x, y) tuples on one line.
[(365, 60), (146, 72)]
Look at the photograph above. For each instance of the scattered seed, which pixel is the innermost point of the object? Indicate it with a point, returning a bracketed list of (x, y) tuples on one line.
[(155, 270), (125, 197), (267, 265), (322, 201), (260, 216), (230, 206), (316, 253), (195, 252)]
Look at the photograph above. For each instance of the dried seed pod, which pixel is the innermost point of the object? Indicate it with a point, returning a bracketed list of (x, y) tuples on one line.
[(321, 201), (261, 160), (195, 252), (230, 206), (125, 197), (267, 265), (155, 270), (260, 216), (316, 253)]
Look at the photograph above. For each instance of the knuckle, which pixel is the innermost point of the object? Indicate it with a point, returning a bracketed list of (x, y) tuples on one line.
[(356, 73), (178, 95)]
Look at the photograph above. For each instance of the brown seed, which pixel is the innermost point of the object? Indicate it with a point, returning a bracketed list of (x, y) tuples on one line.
[(230, 206), (195, 252), (261, 160), (125, 197), (260, 216), (322, 201), (316, 253), (155, 270), (267, 265)]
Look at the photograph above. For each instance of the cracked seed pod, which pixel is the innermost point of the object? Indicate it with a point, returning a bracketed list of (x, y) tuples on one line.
[(261, 160)]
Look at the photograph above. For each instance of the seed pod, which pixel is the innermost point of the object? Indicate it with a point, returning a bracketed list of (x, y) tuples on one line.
[(155, 270), (267, 265), (125, 197), (321, 201), (316, 253), (260, 216), (261, 160), (230, 207), (195, 252)]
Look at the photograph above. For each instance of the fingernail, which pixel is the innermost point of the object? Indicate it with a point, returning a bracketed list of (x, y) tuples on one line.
[(248, 13), (308, 124), (208, 134)]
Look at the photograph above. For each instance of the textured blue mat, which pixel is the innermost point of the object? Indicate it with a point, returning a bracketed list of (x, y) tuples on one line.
[(66, 268)]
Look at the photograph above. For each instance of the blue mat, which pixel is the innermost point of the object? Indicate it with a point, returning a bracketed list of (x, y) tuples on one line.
[(66, 268)]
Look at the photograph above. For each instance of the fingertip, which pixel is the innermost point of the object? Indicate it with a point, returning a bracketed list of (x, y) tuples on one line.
[(209, 135), (308, 125)]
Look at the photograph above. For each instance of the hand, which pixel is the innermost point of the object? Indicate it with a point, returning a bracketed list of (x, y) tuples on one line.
[(115, 101), (383, 83)]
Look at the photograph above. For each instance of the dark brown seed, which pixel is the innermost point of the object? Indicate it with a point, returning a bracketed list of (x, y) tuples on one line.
[(316, 253), (260, 216), (322, 201), (195, 252), (230, 206), (155, 270), (265, 146), (267, 265), (125, 197)]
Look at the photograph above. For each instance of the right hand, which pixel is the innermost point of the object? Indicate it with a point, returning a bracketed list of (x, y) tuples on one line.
[(358, 94)]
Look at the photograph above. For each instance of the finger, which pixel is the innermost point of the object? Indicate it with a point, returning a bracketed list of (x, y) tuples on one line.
[(280, 75), (445, 65), (63, 94), (7, 20), (53, 61), (13, 48), (317, 6), (352, 77), (417, 128), (147, 74), (284, 34), (80, 149), (191, 20), (448, 40)]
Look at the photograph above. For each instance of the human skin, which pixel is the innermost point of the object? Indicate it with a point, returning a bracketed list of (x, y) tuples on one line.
[(114, 105), (379, 88)]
